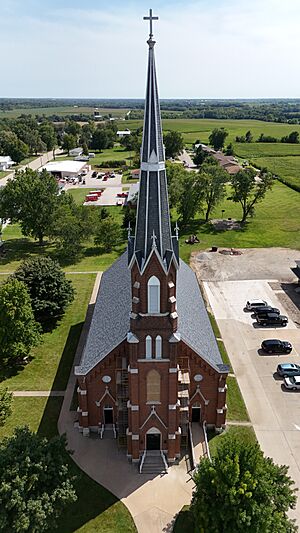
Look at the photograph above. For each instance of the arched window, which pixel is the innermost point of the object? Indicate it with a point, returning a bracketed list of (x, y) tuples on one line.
[(153, 386), (158, 347), (153, 295), (148, 347)]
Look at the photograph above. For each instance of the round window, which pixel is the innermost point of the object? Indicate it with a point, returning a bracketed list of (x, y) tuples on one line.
[(198, 377), (106, 379)]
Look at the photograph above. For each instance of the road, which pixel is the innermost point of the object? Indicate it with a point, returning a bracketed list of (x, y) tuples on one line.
[(34, 165), (274, 412)]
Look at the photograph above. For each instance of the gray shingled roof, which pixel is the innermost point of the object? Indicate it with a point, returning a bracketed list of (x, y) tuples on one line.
[(110, 323)]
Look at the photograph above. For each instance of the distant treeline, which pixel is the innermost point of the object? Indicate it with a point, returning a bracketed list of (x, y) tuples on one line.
[(270, 110)]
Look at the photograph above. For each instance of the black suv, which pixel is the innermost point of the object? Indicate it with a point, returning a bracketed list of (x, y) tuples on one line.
[(276, 346), (266, 309), (272, 319)]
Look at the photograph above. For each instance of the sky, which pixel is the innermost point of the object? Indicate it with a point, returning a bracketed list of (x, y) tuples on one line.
[(97, 49)]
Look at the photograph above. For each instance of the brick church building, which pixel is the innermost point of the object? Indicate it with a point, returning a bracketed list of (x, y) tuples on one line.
[(151, 364)]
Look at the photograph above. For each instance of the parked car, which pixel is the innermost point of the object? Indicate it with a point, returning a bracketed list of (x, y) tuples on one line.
[(272, 319), (94, 175), (292, 382), (253, 304), (266, 309), (276, 346), (288, 369)]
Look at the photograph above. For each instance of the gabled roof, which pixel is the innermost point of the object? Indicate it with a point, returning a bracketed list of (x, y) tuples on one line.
[(110, 323)]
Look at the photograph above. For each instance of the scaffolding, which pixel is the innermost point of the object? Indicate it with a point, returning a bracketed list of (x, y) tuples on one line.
[(183, 397), (122, 396)]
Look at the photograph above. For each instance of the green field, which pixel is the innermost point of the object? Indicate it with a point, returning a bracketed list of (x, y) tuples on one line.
[(63, 111), (111, 154)]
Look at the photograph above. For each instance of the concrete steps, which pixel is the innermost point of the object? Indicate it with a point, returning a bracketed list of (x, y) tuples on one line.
[(153, 463)]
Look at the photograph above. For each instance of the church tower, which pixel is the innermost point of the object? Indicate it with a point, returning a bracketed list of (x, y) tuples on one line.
[(153, 262)]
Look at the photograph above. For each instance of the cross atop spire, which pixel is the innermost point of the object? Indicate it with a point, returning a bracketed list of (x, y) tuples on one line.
[(150, 18)]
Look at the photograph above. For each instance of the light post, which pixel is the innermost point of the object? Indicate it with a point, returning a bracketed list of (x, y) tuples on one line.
[(223, 211)]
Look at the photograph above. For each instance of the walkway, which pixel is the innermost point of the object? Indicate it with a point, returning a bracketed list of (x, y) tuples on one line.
[(38, 393), (153, 500)]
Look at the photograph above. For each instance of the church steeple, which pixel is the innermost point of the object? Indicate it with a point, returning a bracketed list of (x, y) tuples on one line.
[(153, 218)]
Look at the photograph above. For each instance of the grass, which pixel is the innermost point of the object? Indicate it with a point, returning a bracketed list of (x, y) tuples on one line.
[(29, 411), (117, 153), (235, 402), (63, 111), (281, 206), (52, 359)]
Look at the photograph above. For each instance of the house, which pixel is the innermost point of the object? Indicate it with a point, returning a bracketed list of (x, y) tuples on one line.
[(227, 162), (135, 174), (151, 364), (76, 152), (123, 133), (6, 162)]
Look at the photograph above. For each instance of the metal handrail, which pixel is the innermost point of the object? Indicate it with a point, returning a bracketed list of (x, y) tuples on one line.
[(205, 440), (114, 431), (102, 431), (164, 460), (142, 461)]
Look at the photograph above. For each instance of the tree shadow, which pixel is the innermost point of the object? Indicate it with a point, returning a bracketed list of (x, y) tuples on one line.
[(13, 369)]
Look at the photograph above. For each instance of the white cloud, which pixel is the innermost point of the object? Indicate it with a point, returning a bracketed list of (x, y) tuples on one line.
[(204, 50)]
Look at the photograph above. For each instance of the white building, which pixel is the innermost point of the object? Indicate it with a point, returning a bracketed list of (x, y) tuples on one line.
[(6, 162), (123, 133), (75, 152), (63, 169)]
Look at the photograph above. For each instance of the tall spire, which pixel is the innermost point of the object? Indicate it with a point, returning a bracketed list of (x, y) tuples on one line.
[(153, 218)]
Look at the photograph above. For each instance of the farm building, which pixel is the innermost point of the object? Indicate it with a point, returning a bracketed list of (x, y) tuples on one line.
[(64, 169), (6, 162)]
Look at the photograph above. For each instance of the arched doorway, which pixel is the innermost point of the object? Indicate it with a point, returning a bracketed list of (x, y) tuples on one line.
[(196, 412), (153, 439), (108, 414)]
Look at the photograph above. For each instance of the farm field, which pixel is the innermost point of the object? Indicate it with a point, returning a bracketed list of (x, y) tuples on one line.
[(63, 110)]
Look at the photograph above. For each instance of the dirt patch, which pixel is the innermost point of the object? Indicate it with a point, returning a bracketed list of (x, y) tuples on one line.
[(273, 264), (222, 225)]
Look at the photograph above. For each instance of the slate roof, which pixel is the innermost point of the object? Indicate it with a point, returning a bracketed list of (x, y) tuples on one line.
[(110, 323)]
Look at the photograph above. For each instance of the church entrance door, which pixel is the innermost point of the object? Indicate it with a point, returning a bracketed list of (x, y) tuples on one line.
[(196, 414), (153, 441), (108, 415)]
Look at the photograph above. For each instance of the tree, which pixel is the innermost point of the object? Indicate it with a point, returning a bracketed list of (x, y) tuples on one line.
[(85, 149), (18, 330), (71, 226), (248, 137), (252, 493), (36, 485), (266, 139), (49, 290), (48, 135), (72, 128), (185, 192), (173, 141), (108, 234), (292, 138), (229, 150), (217, 138), (213, 179), (68, 142), (30, 199), (199, 156), (11, 145), (99, 139), (249, 189), (5, 405)]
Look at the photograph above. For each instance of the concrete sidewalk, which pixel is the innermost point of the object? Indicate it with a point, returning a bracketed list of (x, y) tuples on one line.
[(153, 500)]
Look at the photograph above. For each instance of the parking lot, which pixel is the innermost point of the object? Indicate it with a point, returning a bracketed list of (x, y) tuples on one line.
[(274, 412)]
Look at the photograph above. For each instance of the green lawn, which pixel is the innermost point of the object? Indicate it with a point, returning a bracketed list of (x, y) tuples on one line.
[(235, 403), (281, 207), (62, 111), (53, 358), (111, 154)]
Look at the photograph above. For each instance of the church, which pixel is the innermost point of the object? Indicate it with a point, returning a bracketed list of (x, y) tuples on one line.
[(151, 364)]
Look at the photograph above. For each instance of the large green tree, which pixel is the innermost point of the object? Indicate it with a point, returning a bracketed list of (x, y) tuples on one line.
[(11, 145), (240, 490), (173, 141), (249, 189), (217, 138), (18, 330), (30, 199), (49, 290), (185, 192), (48, 135), (68, 142), (5, 405), (35, 482), (212, 181), (108, 234)]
